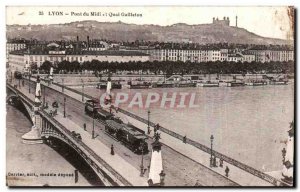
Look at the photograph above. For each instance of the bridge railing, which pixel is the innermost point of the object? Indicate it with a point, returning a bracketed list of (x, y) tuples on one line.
[(73, 90), (26, 99)]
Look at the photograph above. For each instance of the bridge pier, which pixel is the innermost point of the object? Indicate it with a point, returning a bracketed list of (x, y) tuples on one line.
[(34, 136)]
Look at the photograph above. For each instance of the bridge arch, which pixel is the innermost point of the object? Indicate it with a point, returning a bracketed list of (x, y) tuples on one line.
[(72, 155), (13, 99), (49, 132)]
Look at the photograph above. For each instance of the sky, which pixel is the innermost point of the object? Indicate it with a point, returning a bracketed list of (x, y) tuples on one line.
[(265, 21)]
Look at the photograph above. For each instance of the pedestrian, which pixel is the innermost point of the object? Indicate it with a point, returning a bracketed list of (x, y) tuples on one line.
[(84, 126), (227, 171), (215, 161), (23, 83), (221, 162), (112, 152), (55, 112), (184, 139)]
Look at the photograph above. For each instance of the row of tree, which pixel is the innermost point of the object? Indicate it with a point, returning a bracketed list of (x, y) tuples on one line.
[(171, 67)]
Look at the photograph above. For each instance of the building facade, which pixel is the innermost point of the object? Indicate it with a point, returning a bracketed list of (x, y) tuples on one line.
[(22, 60), (271, 54), (15, 44), (197, 55)]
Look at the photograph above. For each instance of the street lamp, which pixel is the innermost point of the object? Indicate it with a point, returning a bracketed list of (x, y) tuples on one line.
[(142, 162), (64, 107), (93, 131), (148, 122), (82, 89), (29, 75), (211, 150), (43, 89), (162, 178), (63, 85)]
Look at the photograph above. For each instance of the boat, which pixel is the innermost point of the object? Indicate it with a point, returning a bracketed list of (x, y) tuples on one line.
[(140, 86), (235, 84), (174, 81), (143, 85), (163, 85), (256, 83), (278, 82), (208, 84), (185, 84), (103, 85)]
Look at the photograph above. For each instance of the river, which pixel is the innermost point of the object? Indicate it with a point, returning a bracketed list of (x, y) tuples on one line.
[(34, 159), (249, 124)]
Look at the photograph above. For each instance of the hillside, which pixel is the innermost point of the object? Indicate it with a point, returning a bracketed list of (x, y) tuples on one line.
[(203, 33)]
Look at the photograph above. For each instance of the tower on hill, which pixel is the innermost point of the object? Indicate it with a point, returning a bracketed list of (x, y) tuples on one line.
[(224, 21)]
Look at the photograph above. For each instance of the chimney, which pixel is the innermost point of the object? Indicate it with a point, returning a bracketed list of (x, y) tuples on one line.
[(88, 43)]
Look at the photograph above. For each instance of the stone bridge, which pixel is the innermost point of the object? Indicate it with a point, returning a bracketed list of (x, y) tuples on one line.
[(46, 127)]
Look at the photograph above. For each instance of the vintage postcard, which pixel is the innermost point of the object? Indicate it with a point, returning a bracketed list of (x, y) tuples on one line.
[(150, 96)]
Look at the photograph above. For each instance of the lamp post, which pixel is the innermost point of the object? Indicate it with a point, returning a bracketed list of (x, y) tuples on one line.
[(93, 131), (29, 75), (148, 122), (162, 178), (142, 162), (82, 89), (19, 83), (11, 77), (211, 150), (283, 154), (63, 85), (44, 94), (64, 107)]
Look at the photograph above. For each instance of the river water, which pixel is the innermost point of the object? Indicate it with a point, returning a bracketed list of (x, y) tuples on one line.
[(34, 159), (249, 124)]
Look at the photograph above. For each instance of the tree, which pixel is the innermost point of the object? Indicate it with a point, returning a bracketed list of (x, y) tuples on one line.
[(46, 66), (74, 66), (33, 66), (63, 65)]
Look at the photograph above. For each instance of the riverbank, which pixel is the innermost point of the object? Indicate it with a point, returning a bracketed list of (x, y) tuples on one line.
[(79, 79)]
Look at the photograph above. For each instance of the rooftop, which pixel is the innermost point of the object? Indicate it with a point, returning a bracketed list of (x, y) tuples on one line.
[(60, 51)]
